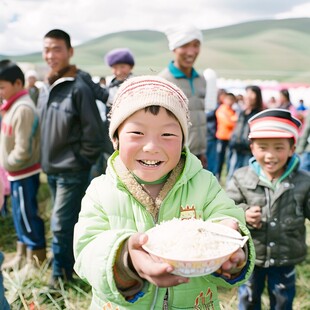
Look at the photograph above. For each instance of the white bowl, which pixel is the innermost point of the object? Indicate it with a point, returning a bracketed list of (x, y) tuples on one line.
[(169, 242)]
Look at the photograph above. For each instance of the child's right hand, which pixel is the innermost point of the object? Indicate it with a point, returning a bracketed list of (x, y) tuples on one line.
[(253, 216), (155, 272)]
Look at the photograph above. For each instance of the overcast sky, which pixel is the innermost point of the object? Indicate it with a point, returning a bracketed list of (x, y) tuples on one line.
[(23, 23)]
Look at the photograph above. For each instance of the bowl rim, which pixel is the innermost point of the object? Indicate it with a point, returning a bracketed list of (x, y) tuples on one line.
[(193, 260), (211, 224)]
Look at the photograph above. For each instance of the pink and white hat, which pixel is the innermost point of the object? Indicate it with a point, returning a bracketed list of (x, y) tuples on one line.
[(274, 123), (143, 91)]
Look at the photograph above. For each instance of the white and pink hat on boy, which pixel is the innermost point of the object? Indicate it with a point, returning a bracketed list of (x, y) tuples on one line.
[(143, 91), (274, 123)]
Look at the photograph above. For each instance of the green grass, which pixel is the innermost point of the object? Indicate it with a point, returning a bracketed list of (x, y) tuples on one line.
[(266, 49), (33, 293)]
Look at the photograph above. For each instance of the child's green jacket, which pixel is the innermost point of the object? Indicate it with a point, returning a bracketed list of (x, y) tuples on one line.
[(115, 207)]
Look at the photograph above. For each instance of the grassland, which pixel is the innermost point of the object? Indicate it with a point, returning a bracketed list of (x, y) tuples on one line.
[(267, 49)]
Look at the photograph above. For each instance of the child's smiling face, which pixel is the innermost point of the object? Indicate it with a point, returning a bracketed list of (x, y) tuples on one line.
[(150, 145), (121, 71), (272, 155)]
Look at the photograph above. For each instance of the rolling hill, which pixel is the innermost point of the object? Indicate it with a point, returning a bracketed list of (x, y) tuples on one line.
[(267, 49)]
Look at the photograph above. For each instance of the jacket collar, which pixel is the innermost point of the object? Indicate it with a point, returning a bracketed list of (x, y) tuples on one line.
[(187, 168), (136, 189), (70, 71), (178, 74), (5, 106), (291, 165)]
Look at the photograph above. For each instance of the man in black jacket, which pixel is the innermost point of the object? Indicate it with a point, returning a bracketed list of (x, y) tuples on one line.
[(72, 137)]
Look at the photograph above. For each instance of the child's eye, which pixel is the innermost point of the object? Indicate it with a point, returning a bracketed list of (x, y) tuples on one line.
[(168, 134), (136, 132)]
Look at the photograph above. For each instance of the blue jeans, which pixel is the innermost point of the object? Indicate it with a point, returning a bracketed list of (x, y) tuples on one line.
[(4, 305), (28, 224), (67, 191), (221, 148), (281, 288), (211, 156)]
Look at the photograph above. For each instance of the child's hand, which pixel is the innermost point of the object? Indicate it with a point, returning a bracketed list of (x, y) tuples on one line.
[(237, 260), (253, 216), (234, 265), (155, 272)]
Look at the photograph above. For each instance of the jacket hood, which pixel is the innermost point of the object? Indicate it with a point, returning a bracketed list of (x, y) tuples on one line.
[(292, 165)]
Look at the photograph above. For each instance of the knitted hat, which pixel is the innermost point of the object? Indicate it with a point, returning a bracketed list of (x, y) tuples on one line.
[(274, 123), (119, 56), (143, 91), (181, 35)]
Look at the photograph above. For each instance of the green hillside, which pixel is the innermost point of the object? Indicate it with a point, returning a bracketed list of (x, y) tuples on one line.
[(268, 49)]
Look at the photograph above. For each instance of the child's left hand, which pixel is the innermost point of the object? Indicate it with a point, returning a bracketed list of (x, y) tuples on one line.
[(237, 260)]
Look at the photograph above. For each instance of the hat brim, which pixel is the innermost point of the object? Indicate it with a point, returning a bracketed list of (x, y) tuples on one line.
[(270, 134)]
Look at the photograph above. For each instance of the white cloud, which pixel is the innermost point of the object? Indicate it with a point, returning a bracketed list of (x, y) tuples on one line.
[(23, 23), (302, 10)]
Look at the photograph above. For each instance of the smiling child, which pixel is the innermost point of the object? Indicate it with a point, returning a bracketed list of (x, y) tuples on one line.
[(151, 177), (275, 196)]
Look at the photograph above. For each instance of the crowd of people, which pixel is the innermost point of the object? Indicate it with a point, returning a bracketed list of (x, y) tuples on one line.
[(132, 151)]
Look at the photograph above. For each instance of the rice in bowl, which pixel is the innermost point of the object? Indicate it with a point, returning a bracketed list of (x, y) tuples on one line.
[(190, 246)]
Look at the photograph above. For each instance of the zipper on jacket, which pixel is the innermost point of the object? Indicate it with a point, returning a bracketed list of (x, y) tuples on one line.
[(268, 214), (154, 299), (165, 303)]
